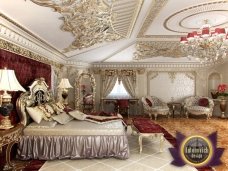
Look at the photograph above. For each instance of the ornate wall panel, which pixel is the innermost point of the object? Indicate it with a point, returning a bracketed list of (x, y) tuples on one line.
[(171, 86)]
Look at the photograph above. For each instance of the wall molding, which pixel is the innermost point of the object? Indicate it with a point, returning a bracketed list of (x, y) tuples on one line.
[(157, 66), (8, 46)]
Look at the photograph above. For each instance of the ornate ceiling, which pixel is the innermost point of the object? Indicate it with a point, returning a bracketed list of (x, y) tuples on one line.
[(107, 30)]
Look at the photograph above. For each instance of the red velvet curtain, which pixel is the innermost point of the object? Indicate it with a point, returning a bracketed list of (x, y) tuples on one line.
[(26, 71)]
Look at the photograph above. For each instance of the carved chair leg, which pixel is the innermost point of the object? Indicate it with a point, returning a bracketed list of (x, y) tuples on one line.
[(150, 116), (186, 113), (140, 143), (161, 142), (155, 116)]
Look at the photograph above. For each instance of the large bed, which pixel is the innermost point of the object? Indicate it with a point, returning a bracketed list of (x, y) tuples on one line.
[(76, 139)]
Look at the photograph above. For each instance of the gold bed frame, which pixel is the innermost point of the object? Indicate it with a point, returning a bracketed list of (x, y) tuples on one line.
[(38, 94)]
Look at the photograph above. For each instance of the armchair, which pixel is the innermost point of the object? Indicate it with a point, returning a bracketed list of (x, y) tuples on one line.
[(198, 105), (154, 106)]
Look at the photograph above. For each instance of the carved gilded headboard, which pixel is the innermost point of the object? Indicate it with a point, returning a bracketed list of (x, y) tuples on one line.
[(38, 94)]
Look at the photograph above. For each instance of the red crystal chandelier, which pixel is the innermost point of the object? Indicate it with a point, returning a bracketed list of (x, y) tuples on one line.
[(207, 44)]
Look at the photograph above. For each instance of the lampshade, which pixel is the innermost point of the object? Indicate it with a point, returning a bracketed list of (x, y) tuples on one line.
[(65, 83), (8, 81)]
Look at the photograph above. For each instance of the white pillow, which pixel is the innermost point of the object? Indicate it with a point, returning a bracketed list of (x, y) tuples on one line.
[(78, 115), (35, 113), (62, 118)]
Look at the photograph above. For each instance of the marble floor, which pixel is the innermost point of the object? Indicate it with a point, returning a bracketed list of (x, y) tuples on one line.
[(149, 160)]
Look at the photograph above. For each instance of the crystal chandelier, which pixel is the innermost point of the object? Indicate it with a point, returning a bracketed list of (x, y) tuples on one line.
[(206, 45)]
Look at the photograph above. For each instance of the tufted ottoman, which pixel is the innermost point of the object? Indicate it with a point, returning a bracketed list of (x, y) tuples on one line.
[(146, 128)]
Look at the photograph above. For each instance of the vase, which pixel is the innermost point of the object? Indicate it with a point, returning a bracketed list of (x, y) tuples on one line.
[(214, 95), (223, 107)]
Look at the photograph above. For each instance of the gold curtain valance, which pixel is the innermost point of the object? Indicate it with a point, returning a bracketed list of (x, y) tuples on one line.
[(119, 72)]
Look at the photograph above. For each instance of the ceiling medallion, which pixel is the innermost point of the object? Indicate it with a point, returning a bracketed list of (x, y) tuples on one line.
[(90, 21), (154, 49), (192, 17)]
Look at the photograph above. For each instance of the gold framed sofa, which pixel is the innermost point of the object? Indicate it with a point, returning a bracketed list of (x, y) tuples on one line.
[(198, 105)]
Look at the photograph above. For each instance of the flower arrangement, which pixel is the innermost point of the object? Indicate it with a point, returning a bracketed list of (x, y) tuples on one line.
[(222, 90)]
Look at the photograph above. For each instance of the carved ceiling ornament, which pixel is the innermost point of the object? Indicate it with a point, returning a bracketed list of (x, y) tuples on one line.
[(94, 21), (149, 49), (156, 7), (90, 21)]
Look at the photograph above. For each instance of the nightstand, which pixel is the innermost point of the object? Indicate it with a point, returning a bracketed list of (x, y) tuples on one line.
[(175, 106), (9, 137)]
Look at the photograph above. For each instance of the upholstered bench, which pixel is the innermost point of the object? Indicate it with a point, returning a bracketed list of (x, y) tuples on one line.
[(146, 128)]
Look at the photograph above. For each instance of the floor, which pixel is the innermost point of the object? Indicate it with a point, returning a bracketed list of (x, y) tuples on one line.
[(201, 126), (149, 160)]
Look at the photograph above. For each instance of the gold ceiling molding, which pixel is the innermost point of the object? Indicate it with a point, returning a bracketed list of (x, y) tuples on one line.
[(149, 49), (193, 11), (90, 21), (29, 33), (5, 45), (156, 7)]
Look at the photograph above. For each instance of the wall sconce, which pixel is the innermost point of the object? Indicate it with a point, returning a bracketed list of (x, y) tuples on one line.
[(64, 85), (8, 82)]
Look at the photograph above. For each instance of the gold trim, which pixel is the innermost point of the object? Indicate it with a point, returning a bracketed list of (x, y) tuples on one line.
[(150, 49), (28, 32), (186, 9), (135, 16), (181, 25), (90, 22), (154, 11), (5, 45)]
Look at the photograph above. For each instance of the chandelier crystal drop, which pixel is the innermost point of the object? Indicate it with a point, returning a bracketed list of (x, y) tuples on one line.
[(206, 45)]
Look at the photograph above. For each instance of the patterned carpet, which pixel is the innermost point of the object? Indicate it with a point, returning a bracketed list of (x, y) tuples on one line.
[(200, 126)]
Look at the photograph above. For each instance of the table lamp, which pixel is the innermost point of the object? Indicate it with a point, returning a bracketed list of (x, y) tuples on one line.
[(64, 85), (8, 82)]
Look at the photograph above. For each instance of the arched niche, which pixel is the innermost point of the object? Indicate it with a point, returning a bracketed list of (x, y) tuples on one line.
[(214, 79)]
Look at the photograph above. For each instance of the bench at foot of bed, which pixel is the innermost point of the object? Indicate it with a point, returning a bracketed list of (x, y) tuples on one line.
[(146, 128)]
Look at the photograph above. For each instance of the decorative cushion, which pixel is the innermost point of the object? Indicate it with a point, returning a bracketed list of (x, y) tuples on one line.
[(60, 105), (77, 115), (46, 112), (148, 102), (57, 109), (203, 102), (62, 118), (35, 113), (43, 124)]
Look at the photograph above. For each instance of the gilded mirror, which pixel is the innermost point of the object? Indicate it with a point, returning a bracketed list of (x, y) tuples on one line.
[(85, 92)]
